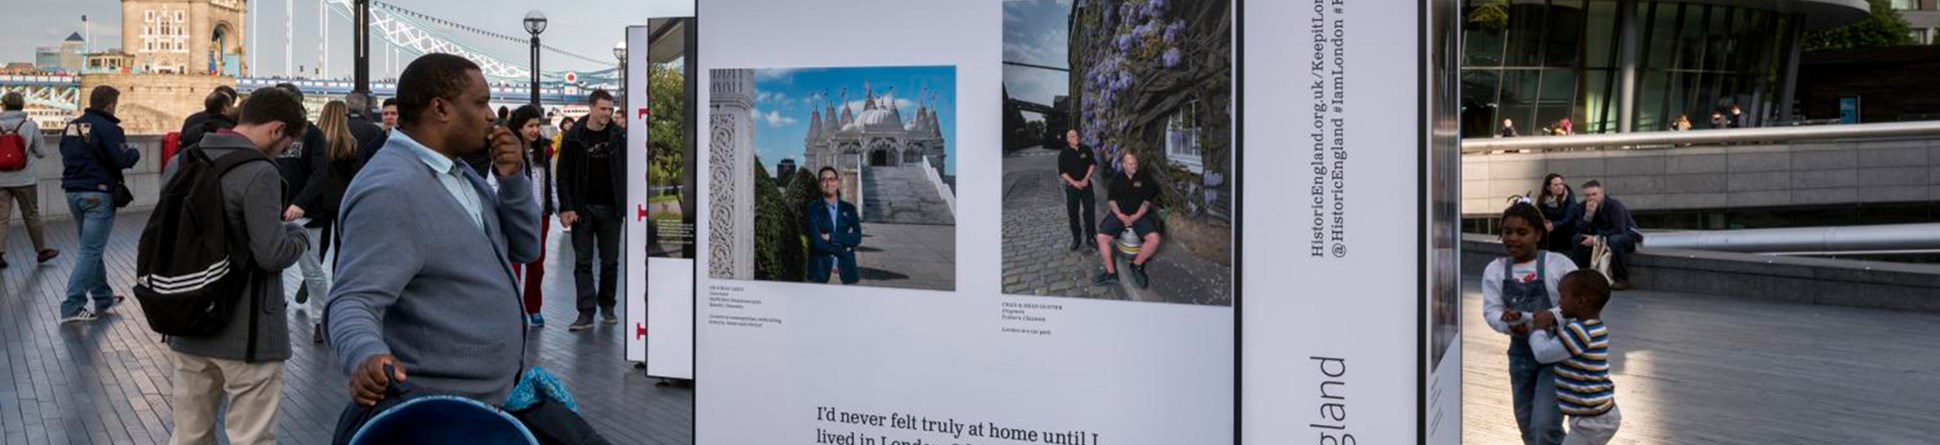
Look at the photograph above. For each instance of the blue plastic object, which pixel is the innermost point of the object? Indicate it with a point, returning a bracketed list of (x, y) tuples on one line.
[(443, 420)]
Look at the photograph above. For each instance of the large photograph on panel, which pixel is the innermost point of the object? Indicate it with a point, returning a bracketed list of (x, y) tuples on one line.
[(1118, 150), (837, 175), (670, 205)]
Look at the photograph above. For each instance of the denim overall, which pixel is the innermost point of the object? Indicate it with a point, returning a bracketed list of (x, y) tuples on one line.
[(1537, 415)]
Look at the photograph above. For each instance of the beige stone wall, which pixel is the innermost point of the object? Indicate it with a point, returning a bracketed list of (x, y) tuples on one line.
[(202, 19), (154, 104)]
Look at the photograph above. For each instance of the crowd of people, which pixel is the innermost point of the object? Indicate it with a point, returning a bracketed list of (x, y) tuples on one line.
[(418, 233), (1565, 256), (1722, 118)]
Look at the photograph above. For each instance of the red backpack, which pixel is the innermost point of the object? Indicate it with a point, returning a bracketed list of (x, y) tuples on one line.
[(13, 148)]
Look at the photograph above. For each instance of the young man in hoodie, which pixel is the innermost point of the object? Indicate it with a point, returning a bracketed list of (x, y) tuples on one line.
[(94, 151), (22, 186), (226, 365)]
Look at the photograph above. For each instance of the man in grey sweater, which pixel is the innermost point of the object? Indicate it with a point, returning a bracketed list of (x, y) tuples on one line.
[(226, 364), (425, 284), (22, 186)]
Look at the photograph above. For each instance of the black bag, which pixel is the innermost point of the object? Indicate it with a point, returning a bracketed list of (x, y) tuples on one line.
[(191, 267)]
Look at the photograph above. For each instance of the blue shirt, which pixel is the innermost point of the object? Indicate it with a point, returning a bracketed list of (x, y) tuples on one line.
[(834, 220), (450, 174)]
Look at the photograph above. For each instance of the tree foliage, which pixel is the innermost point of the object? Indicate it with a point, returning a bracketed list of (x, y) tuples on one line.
[(1884, 28), (779, 249), (666, 99)]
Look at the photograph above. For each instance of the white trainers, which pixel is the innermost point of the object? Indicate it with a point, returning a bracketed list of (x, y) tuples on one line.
[(84, 315)]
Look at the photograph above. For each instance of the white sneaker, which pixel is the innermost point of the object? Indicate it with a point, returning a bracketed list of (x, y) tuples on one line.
[(84, 315)]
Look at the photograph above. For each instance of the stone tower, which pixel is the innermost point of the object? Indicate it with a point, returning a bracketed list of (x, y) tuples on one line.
[(185, 36), (730, 173)]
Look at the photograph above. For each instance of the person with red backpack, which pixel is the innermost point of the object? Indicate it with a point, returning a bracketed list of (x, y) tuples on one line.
[(20, 145), (209, 273)]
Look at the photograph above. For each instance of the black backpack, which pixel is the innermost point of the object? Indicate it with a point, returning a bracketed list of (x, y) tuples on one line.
[(192, 268)]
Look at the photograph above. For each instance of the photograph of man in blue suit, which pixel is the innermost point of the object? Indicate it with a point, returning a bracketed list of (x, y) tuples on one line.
[(834, 230)]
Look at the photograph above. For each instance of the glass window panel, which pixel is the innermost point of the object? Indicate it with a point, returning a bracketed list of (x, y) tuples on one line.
[(1526, 34), (1559, 86), (1599, 114), (1602, 44), (1565, 36), (1650, 107), (1693, 42), (1661, 36), (1482, 46)]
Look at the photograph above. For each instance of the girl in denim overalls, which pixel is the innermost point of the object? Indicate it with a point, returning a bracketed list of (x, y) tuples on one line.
[(1513, 290)]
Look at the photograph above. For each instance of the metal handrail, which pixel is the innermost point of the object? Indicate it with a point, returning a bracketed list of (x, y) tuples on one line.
[(1802, 240), (1695, 137)]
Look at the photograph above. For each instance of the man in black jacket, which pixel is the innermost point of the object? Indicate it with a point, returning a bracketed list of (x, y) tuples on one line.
[(305, 182), (369, 136), (218, 113), (94, 151), (592, 184), (1604, 216)]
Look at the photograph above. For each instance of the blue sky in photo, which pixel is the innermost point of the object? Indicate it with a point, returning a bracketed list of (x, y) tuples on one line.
[(1035, 32), (786, 96)]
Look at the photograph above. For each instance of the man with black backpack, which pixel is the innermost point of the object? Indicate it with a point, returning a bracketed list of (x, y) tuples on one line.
[(209, 276), (94, 151)]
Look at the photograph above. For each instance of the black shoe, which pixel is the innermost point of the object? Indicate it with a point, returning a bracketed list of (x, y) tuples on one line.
[(1621, 285), (1076, 245), (316, 333), (584, 321), (302, 294), (3, 261), (608, 317), (1104, 278), (1138, 276), (46, 254)]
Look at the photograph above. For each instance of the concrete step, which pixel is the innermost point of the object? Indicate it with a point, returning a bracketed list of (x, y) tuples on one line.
[(903, 195)]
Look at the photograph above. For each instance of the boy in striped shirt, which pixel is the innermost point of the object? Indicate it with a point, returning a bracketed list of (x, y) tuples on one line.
[(1582, 344)]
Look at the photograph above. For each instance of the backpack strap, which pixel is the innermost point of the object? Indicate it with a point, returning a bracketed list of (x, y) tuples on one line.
[(16, 128)]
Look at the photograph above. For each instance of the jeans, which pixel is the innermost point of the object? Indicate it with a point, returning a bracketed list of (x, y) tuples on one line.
[(597, 225), (315, 278), (1083, 201), (1594, 430), (94, 213), (1537, 415)]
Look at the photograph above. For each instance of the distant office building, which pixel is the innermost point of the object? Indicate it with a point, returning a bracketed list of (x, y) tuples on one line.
[(784, 171), (1539, 62), (64, 58), (1873, 84), (1924, 18)]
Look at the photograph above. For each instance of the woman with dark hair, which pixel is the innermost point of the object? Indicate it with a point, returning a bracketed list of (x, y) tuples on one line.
[(1560, 213), (525, 122)]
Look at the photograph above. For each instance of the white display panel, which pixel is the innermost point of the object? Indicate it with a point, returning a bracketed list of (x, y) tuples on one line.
[(929, 348), (1352, 332), (636, 291)]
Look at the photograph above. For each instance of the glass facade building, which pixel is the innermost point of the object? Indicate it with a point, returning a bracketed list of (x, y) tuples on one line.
[(1537, 62)]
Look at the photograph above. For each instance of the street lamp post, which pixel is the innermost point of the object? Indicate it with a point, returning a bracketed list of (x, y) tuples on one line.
[(535, 23), (619, 52), (360, 46)]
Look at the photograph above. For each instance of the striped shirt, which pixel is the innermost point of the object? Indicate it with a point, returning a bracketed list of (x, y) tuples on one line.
[(1583, 386)]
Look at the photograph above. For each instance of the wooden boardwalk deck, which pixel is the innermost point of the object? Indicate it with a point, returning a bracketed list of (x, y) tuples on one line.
[(1693, 369), (108, 382)]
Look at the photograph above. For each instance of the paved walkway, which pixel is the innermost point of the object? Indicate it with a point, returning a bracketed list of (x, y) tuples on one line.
[(1038, 259), (1693, 369), (109, 381), (908, 256)]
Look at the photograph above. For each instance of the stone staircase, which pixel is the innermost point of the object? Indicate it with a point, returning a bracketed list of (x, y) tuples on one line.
[(903, 195)]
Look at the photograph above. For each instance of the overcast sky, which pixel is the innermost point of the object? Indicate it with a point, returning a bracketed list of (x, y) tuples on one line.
[(1035, 33), (586, 27)]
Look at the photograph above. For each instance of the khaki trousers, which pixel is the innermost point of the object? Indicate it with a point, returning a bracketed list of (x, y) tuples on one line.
[(29, 199), (254, 390)]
